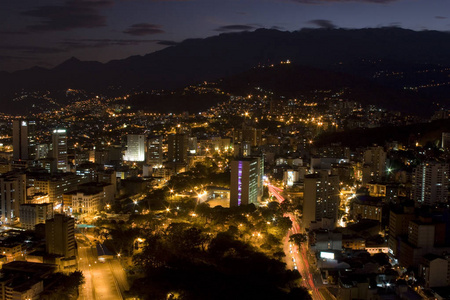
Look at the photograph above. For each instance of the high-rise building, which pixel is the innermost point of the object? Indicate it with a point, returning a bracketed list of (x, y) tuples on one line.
[(177, 148), (12, 194), (321, 197), (375, 159), (246, 181), (60, 236), (430, 183), (59, 149), (155, 151), (24, 140), (135, 148), (399, 219), (251, 135), (33, 214)]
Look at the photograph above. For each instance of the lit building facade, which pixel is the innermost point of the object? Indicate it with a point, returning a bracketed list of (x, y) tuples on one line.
[(59, 150), (155, 151), (135, 148), (430, 183), (177, 146), (246, 181), (321, 197), (33, 214)]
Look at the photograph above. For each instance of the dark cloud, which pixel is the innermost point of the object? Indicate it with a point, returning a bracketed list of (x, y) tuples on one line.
[(278, 28), (13, 32), (167, 43), (72, 14), (33, 49), (71, 44), (10, 57), (341, 1), (322, 23), (441, 17), (143, 29), (235, 28)]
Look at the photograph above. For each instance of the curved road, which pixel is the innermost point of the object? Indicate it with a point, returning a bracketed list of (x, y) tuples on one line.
[(297, 258)]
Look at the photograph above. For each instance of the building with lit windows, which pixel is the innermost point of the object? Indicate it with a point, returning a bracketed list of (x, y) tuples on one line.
[(59, 150), (246, 181), (177, 147), (430, 183), (24, 140), (155, 151), (60, 236), (135, 148), (33, 214), (321, 197), (12, 194), (375, 161)]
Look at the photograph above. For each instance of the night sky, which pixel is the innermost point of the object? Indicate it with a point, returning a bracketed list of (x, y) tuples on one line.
[(47, 32)]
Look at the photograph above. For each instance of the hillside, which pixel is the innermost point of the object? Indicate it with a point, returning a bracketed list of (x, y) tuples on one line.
[(359, 52)]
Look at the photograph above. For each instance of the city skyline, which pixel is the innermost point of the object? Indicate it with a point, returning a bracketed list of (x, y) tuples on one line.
[(48, 33)]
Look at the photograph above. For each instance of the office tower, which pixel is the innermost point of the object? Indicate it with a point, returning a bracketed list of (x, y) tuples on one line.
[(33, 214), (430, 183), (155, 151), (59, 150), (135, 148), (60, 236), (321, 197), (177, 148), (24, 140), (12, 194), (246, 181)]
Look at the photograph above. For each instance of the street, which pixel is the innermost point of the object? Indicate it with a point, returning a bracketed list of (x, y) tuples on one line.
[(296, 258), (105, 281)]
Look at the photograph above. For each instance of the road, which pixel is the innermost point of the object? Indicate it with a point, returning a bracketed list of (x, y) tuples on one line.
[(103, 281), (297, 258)]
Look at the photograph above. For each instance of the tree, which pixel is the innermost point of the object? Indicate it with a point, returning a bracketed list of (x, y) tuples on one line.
[(284, 224), (298, 238)]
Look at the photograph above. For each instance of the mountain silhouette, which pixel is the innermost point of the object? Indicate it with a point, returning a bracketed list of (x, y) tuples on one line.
[(358, 52)]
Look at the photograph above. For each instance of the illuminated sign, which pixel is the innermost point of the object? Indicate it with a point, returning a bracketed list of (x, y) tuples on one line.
[(327, 255)]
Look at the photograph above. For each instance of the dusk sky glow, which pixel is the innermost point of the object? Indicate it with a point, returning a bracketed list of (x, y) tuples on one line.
[(47, 32)]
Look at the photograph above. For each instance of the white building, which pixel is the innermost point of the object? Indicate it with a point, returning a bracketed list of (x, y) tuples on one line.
[(135, 148)]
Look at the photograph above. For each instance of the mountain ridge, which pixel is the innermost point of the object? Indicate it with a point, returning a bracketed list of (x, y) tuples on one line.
[(227, 54)]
